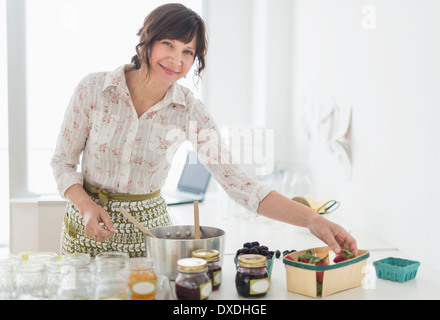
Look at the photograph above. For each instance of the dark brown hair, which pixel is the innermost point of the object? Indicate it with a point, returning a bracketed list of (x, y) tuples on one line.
[(172, 21)]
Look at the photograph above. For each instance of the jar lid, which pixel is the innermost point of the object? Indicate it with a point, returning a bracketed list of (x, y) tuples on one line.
[(191, 265), (206, 254), (252, 260)]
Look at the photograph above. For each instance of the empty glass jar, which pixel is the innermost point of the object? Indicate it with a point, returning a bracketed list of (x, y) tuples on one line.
[(7, 281), (31, 281), (42, 257), (111, 282), (77, 283)]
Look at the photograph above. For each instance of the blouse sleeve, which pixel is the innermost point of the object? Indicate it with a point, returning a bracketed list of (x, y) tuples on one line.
[(238, 184), (71, 141)]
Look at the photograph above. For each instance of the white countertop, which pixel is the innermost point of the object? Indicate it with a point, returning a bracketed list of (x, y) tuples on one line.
[(233, 220)]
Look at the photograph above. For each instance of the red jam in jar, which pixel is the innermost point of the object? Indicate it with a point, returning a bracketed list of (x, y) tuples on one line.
[(252, 279), (192, 282), (214, 268)]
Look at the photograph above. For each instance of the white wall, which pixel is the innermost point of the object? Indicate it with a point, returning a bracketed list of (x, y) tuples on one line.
[(35, 224), (390, 76), (248, 69)]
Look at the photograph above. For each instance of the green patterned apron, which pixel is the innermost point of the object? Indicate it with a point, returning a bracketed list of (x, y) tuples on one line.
[(149, 210)]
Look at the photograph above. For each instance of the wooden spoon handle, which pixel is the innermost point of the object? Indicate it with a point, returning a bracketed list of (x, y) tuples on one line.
[(196, 220), (136, 223)]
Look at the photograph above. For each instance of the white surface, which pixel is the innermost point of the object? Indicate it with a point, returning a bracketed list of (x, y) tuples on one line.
[(424, 286), (281, 236)]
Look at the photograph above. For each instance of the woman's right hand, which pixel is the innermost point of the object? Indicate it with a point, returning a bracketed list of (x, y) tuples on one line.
[(98, 225)]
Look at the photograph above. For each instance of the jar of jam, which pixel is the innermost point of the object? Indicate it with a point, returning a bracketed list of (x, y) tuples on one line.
[(192, 281), (214, 268), (252, 279), (142, 279)]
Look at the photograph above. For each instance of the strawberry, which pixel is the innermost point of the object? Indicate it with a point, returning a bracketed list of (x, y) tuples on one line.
[(305, 257), (289, 258), (320, 274), (309, 257), (343, 256)]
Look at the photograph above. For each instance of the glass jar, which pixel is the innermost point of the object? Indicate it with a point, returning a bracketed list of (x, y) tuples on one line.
[(142, 279), (8, 276), (192, 281), (212, 258), (81, 258), (121, 257), (31, 281), (80, 261), (7, 280), (111, 281), (53, 281), (42, 257), (252, 278), (77, 280)]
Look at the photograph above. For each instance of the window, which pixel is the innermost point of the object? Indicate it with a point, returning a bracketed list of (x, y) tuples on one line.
[(4, 156), (66, 40)]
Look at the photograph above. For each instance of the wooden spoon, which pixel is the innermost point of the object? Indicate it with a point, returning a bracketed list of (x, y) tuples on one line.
[(196, 220), (136, 223)]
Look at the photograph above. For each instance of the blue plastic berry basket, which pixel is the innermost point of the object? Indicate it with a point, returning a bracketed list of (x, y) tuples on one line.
[(396, 269)]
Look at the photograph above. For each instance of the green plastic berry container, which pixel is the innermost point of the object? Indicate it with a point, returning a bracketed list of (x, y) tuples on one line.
[(396, 269)]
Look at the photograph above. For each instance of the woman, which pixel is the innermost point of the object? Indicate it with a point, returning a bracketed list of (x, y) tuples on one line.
[(121, 122)]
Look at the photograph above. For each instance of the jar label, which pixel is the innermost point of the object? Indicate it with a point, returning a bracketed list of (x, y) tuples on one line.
[(205, 290), (143, 287), (259, 286), (217, 277)]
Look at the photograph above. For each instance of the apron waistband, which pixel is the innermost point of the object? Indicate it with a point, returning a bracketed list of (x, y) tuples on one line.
[(104, 196)]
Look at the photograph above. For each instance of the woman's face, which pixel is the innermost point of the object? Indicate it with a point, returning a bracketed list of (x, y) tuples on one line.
[(171, 60)]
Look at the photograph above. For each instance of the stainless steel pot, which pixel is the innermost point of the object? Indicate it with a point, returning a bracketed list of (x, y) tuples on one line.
[(177, 242)]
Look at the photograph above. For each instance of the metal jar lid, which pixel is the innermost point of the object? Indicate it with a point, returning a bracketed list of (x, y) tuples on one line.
[(191, 265), (252, 261), (206, 254)]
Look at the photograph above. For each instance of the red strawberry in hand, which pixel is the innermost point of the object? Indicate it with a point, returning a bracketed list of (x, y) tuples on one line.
[(343, 256)]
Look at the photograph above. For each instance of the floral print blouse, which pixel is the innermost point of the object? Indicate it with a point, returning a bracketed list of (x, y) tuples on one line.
[(127, 154)]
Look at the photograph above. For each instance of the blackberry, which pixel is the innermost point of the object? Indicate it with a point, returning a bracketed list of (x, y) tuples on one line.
[(253, 250), (248, 245)]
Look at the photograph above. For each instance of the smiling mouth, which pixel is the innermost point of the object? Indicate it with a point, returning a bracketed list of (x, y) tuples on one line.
[(168, 71)]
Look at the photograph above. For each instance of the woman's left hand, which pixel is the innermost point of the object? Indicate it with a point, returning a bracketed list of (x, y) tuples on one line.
[(332, 234)]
